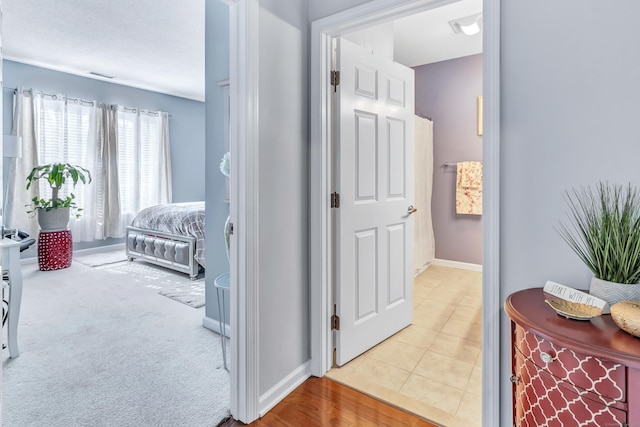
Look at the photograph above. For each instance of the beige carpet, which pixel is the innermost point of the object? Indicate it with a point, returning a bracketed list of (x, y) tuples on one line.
[(172, 284), (98, 349), (96, 259)]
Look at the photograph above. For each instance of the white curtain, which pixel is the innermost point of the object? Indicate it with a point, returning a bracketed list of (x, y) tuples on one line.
[(126, 151), (18, 197), (424, 245), (108, 219), (144, 161)]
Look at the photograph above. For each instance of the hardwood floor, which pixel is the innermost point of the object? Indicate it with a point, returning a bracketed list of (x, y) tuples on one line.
[(323, 402)]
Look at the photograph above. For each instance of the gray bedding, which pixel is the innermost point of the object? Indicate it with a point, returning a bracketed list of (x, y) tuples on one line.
[(186, 219)]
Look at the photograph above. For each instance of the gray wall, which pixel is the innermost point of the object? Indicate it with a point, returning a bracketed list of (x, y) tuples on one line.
[(447, 92), (283, 170), (216, 69), (186, 124), (569, 116), (283, 179), (284, 186)]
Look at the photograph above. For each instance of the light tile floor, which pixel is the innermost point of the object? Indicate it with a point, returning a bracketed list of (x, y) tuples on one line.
[(432, 368)]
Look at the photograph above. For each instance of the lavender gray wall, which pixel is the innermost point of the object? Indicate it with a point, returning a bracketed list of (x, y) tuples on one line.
[(447, 92)]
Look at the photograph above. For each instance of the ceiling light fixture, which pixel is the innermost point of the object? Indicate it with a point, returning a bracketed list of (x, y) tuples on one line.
[(469, 25)]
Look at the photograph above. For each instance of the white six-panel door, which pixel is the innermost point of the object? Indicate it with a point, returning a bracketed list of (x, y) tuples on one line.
[(375, 100)]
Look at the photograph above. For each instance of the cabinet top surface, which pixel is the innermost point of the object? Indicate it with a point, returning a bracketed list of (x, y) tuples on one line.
[(599, 336)]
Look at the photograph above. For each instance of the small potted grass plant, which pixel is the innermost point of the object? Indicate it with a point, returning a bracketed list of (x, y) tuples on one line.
[(604, 231), (53, 213)]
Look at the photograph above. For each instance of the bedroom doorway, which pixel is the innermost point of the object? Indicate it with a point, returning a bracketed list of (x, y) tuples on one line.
[(325, 30), (193, 175)]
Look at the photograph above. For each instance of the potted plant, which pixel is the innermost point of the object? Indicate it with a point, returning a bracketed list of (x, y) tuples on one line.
[(604, 231), (53, 213)]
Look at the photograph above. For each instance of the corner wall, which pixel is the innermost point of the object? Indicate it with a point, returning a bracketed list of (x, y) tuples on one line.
[(216, 69), (284, 185)]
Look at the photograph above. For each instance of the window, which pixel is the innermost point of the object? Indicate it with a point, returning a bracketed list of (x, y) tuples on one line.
[(139, 155), (126, 150), (65, 136)]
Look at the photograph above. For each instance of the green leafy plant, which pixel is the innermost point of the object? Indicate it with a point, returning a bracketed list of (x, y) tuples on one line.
[(604, 230), (56, 175)]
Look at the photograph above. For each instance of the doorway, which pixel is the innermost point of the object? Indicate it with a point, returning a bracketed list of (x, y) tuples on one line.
[(324, 31), (432, 367)]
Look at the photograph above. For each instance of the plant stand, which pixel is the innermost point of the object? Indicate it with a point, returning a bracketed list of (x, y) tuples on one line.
[(222, 284), (55, 250)]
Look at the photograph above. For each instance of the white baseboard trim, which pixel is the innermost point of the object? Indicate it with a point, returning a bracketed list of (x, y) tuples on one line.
[(281, 390), (106, 248), (457, 264), (214, 325), (420, 271), (97, 249)]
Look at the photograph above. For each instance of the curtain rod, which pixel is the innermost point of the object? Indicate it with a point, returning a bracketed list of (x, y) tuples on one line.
[(82, 101)]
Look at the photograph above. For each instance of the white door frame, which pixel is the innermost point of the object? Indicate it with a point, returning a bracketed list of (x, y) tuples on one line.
[(321, 251), (243, 208)]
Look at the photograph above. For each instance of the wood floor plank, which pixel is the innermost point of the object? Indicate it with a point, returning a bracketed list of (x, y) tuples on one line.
[(323, 402)]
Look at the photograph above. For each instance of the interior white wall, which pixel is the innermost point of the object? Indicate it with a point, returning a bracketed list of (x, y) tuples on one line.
[(284, 344)]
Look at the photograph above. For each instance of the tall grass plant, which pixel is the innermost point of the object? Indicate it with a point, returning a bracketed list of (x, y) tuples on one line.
[(603, 229)]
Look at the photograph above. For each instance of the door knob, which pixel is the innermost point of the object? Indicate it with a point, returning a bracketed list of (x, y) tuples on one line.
[(411, 210)]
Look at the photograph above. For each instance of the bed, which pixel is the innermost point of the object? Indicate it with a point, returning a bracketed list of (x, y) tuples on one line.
[(170, 235)]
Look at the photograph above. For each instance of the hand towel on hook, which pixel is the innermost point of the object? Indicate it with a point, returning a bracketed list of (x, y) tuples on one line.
[(469, 188)]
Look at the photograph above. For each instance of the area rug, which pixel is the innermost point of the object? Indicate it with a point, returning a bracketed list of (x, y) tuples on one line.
[(97, 259), (166, 282)]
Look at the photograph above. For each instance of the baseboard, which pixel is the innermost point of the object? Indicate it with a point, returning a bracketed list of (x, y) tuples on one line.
[(281, 390), (420, 271), (214, 325), (457, 264), (105, 248)]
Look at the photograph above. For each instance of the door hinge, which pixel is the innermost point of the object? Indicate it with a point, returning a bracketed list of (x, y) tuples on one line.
[(335, 80), (335, 200), (335, 320)]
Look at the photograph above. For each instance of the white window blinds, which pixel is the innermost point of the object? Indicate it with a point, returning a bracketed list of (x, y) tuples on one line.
[(127, 153), (142, 160)]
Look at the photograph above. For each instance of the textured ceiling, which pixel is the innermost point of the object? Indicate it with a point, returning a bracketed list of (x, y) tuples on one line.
[(150, 44), (159, 44)]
